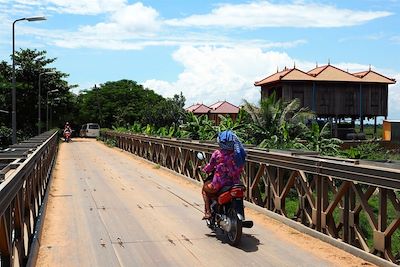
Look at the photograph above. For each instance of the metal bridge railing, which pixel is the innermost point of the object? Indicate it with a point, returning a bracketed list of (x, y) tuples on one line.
[(24, 174), (353, 201)]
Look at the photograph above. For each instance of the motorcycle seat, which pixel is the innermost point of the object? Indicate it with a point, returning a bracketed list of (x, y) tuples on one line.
[(229, 187), (225, 189)]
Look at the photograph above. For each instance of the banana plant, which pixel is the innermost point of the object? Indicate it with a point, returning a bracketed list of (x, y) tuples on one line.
[(319, 140)]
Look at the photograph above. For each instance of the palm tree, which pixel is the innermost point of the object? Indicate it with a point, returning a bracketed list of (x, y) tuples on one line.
[(278, 124)]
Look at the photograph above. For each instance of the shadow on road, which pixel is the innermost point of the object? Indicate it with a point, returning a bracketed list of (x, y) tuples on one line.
[(249, 243), (76, 139)]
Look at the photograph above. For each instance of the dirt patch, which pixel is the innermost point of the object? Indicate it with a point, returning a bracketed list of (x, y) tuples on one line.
[(324, 250)]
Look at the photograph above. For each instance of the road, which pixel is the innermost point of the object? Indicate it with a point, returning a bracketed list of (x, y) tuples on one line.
[(110, 208)]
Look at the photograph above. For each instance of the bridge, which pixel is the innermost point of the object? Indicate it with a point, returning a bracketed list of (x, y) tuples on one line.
[(139, 204)]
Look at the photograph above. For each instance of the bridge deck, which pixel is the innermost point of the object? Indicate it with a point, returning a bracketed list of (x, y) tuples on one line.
[(109, 208)]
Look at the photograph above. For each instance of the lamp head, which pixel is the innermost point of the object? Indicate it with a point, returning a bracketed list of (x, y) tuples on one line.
[(35, 18)]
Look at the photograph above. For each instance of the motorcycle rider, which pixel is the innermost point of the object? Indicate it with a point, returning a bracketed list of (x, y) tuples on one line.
[(67, 129), (227, 163)]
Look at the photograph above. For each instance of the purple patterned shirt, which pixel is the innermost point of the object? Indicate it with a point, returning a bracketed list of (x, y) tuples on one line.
[(226, 171)]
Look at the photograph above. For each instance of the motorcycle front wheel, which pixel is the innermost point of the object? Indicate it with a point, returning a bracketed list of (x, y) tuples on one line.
[(235, 233)]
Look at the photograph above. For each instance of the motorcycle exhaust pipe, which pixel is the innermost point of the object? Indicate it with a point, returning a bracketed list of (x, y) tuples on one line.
[(247, 224)]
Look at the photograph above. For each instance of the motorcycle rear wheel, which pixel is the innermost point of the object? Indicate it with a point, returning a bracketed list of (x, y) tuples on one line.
[(235, 233)]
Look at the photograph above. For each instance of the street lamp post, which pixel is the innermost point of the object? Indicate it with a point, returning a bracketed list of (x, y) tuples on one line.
[(13, 93), (47, 107), (51, 111), (39, 112)]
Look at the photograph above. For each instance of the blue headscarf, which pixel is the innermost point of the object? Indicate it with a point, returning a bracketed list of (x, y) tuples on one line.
[(229, 141)]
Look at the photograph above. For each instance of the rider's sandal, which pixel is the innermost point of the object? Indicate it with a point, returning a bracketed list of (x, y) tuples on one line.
[(206, 216)]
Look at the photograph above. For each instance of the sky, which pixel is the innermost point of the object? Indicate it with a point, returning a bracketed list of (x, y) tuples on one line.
[(208, 50)]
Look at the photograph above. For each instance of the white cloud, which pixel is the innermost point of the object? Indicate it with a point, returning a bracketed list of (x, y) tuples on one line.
[(136, 26), (124, 41), (395, 39), (268, 14), (212, 74), (131, 20), (84, 7), (89, 6), (81, 7), (394, 99)]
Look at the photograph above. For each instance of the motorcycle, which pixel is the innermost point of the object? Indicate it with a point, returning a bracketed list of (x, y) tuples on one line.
[(67, 136), (227, 210)]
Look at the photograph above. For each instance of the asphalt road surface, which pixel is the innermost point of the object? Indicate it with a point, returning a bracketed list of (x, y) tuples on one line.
[(110, 208)]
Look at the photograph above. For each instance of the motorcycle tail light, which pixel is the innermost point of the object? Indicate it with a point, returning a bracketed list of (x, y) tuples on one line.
[(237, 192)]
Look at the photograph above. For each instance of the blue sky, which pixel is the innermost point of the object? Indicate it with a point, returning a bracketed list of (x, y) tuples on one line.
[(209, 50)]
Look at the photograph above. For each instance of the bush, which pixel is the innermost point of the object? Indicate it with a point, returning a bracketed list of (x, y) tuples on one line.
[(5, 136), (368, 151)]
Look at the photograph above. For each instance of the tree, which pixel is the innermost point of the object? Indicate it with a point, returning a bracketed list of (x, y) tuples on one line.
[(122, 103), (28, 65), (278, 124)]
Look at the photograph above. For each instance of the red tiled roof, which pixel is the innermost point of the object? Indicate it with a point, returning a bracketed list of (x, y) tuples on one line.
[(360, 74), (326, 73), (314, 72), (371, 75), (332, 73), (198, 108), (224, 107), (274, 77), (192, 107)]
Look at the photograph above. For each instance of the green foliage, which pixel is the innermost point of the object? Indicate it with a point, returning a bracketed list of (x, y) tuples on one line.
[(29, 64), (123, 103), (278, 124), (136, 128), (239, 126), (148, 129), (119, 129), (111, 142), (5, 136), (319, 140), (198, 127), (368, 151)]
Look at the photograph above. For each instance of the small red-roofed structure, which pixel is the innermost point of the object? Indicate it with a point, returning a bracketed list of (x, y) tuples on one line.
[(198, 109), (223, 108)]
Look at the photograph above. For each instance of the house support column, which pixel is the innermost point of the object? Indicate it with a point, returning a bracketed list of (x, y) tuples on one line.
[(313, 97), (361, 112)]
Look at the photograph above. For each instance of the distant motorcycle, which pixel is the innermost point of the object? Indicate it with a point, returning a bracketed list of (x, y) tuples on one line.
[(67, 136), (227, 210)]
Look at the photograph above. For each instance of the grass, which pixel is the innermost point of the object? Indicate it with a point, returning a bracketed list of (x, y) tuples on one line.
[(292, 206), (369, 130)]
